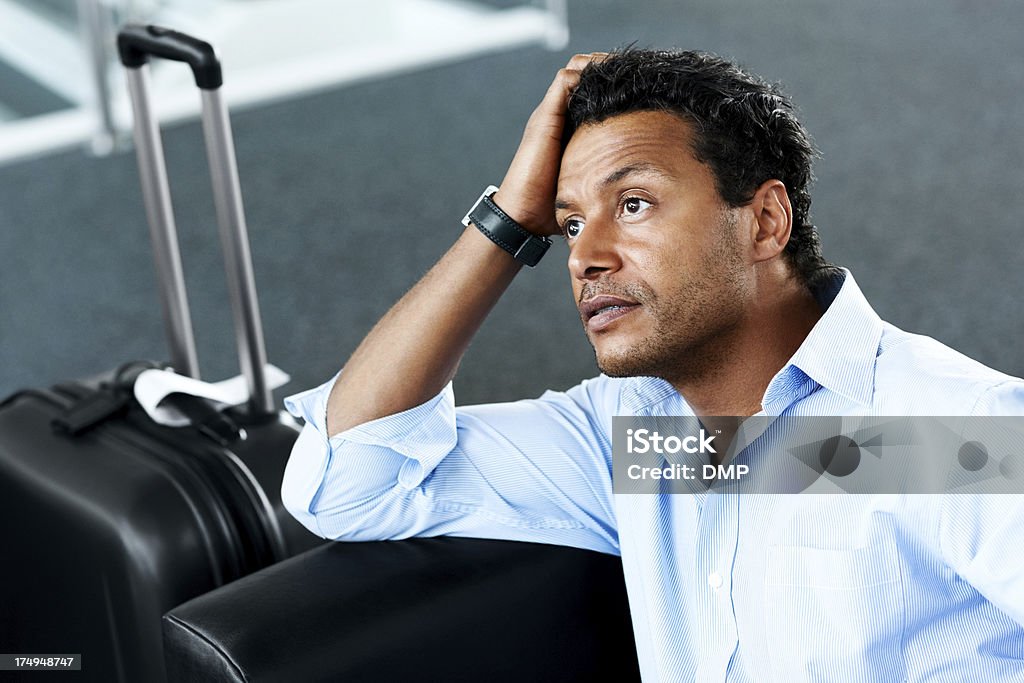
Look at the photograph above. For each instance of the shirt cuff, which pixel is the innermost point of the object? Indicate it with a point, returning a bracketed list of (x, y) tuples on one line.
[(424, 434), (311, 405)]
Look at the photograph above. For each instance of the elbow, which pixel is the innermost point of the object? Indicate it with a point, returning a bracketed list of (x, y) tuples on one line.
[(338, 523), (300, 507), (345, 492), (351, 511), (303, 477), (372, 519)]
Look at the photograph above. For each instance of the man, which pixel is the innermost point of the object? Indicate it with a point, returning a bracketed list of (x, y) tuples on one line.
[(682, 193)]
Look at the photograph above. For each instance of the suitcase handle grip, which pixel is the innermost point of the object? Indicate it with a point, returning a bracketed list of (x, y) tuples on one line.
[(137, 43)]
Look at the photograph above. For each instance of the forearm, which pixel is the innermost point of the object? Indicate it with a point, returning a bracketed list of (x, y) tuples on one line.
[(415, 349)]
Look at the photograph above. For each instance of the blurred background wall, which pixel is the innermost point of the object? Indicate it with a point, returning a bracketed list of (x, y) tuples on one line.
[(351, 195)]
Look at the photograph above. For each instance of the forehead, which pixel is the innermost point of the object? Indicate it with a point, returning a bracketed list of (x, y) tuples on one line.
[(657, 141)]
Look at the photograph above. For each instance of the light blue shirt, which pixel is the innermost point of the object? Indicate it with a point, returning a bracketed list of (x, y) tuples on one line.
[(721, 587)]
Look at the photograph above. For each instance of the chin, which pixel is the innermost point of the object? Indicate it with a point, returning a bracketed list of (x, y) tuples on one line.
[(648, 356), (623, 364)]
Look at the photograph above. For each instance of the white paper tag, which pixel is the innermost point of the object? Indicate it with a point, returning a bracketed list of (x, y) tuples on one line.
[(153, 386)]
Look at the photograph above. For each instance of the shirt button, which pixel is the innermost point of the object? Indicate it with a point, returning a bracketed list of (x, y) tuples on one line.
[(715, 580)]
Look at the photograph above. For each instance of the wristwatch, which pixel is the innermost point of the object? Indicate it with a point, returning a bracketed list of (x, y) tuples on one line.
[(501, 229)]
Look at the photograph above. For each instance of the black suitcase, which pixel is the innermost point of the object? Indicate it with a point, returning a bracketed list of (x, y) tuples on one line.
[(108, 519)]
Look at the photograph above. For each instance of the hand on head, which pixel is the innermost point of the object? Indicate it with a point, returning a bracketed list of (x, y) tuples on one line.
[(527, 193)]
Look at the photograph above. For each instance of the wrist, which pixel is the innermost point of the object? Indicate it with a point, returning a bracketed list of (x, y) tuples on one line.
[(518, 213), (505, 231)]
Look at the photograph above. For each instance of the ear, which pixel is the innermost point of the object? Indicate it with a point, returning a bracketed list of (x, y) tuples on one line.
[(773, 220)]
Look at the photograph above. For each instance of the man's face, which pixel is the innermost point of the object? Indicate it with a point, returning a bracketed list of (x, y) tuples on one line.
[(657, 258)]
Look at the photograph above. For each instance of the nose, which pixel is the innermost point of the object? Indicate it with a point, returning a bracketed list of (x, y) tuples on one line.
[(595, 252)]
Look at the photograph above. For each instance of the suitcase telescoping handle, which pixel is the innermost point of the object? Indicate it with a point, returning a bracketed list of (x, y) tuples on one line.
[(136, 44)]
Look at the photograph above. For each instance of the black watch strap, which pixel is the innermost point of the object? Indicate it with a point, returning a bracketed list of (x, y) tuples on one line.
[(501, 229)]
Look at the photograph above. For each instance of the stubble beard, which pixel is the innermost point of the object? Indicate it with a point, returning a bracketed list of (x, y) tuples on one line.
[(692, 323)]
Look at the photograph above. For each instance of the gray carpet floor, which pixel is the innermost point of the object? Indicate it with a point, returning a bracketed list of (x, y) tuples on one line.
[(918, 107)]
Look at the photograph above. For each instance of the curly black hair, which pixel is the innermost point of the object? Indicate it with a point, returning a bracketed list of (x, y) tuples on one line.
[(745, 129)]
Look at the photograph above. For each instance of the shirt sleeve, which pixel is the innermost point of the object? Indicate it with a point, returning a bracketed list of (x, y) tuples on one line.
[(536, 470), (980, 533)]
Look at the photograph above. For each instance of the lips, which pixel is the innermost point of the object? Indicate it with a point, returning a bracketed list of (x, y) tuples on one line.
[(601, 311)]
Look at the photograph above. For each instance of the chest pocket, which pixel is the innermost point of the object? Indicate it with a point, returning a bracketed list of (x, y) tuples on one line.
[(834, 615)]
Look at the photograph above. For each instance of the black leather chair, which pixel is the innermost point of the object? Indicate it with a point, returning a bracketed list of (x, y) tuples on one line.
[(428, 609)]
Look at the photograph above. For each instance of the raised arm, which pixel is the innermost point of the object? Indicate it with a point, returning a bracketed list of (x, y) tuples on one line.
[(415, 349)]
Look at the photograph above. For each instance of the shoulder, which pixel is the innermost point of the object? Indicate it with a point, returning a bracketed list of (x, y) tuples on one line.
[(916, 374)]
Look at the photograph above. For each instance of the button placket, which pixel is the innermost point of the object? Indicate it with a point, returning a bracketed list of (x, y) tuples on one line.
[(715, 550)]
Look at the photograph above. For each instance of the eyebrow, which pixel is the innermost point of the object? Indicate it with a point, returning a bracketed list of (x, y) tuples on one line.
[(619, 174)]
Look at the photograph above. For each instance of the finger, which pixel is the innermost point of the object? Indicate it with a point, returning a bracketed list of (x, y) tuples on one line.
[(579, 61), (557, 96)]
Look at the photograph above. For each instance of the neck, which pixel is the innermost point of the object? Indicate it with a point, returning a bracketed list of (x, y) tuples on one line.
[(735, 374)]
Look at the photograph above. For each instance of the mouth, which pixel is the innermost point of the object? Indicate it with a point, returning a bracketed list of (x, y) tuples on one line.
[(601, 311)]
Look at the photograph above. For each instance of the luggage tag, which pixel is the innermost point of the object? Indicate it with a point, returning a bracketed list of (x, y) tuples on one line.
[(176, 400)]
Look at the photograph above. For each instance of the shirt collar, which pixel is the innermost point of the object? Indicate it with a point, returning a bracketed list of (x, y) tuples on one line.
[(839, 354)]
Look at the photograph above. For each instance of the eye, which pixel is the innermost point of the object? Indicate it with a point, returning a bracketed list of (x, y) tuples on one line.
[(572, 228), (633, 206)]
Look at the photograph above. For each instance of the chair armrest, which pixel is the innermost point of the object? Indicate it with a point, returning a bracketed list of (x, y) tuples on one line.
[(453, 609)]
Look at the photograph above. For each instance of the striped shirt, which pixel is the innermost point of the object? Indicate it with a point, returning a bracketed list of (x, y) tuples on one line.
[(721, 587)]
